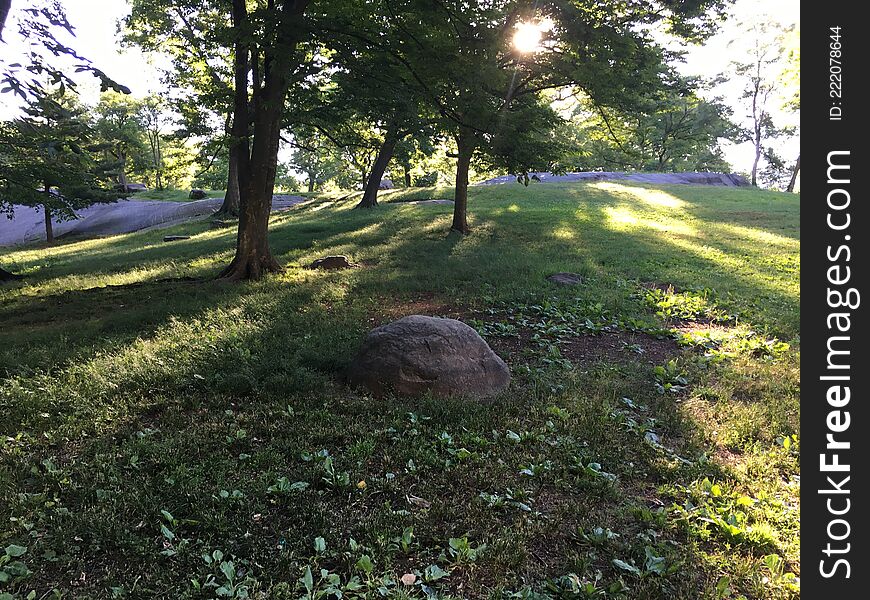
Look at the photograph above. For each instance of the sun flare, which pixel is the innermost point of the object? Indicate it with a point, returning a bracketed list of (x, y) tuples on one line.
[(528, 35)]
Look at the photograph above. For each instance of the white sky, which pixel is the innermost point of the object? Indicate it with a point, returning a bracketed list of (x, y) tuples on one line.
[(96, 38)]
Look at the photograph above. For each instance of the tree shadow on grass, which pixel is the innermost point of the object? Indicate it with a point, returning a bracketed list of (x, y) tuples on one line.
[(254, 371)]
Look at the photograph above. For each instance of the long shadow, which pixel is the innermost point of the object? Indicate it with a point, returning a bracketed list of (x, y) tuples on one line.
[(285, 344)]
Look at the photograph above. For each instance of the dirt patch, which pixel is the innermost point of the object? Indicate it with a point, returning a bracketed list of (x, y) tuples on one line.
[(625, 347), (613, 347), (424, 303)]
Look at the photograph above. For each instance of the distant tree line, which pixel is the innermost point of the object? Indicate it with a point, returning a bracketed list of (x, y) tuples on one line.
[(416, 90)]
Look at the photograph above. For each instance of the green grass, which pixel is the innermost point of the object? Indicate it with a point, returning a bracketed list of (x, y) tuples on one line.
[(164, 435), (172, 195)]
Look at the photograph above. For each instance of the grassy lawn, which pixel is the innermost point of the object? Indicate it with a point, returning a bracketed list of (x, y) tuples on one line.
[(166, 436), (172, 195)]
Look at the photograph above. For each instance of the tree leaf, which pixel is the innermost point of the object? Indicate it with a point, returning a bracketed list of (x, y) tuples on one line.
[(14, 550)]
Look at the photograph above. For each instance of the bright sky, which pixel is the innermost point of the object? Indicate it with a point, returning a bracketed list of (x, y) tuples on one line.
[(96, 25)]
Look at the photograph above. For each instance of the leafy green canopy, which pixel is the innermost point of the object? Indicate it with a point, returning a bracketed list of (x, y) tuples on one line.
[(49, 158)]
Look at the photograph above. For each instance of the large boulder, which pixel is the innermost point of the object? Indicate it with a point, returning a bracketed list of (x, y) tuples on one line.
[(417, 354), (386, 184)]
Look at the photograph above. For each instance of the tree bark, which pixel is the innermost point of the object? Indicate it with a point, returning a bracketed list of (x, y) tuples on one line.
[(49, 230), (370, 196), (754, 178), (230, 206), (312, 181), (7, 276), (407, 176), (257, 169), (465, 144), (794, 174), (158, 162)]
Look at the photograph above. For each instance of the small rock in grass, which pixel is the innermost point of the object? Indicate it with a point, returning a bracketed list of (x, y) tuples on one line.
[(565, 278), (175, 238), (196, 194), (331, 262)]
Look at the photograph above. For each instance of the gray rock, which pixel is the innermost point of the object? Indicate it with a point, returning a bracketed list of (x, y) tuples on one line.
[(428, 202), (386, 184), (197, 194), (565, 278), (330, 263), (28, 224), (688, 178), (417, 354)]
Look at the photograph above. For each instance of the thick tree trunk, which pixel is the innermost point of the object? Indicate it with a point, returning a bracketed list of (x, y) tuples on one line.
[(460, 199), (253, 255), (230, 206), (312, 181), (7, 276), (794, 174), (370, 196), (407, 176)]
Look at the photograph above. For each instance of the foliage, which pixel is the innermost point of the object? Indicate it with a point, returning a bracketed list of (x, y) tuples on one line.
[(761, 76), (48, 158), (676, 131), (42, 26)]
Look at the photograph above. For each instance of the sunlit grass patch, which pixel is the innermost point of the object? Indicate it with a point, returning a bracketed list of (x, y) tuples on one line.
[(161, 428)]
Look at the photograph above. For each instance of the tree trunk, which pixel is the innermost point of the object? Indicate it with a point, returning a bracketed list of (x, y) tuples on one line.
[(465, 145), (158, 162), (49, 230), (258, 169), (253, 255), (312, 181), (794, 174), (7, 276), (230, 206), (754, 178), (407, 176), (370, 196)]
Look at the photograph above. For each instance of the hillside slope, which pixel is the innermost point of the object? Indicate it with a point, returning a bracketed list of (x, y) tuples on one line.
[(172, 434)]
